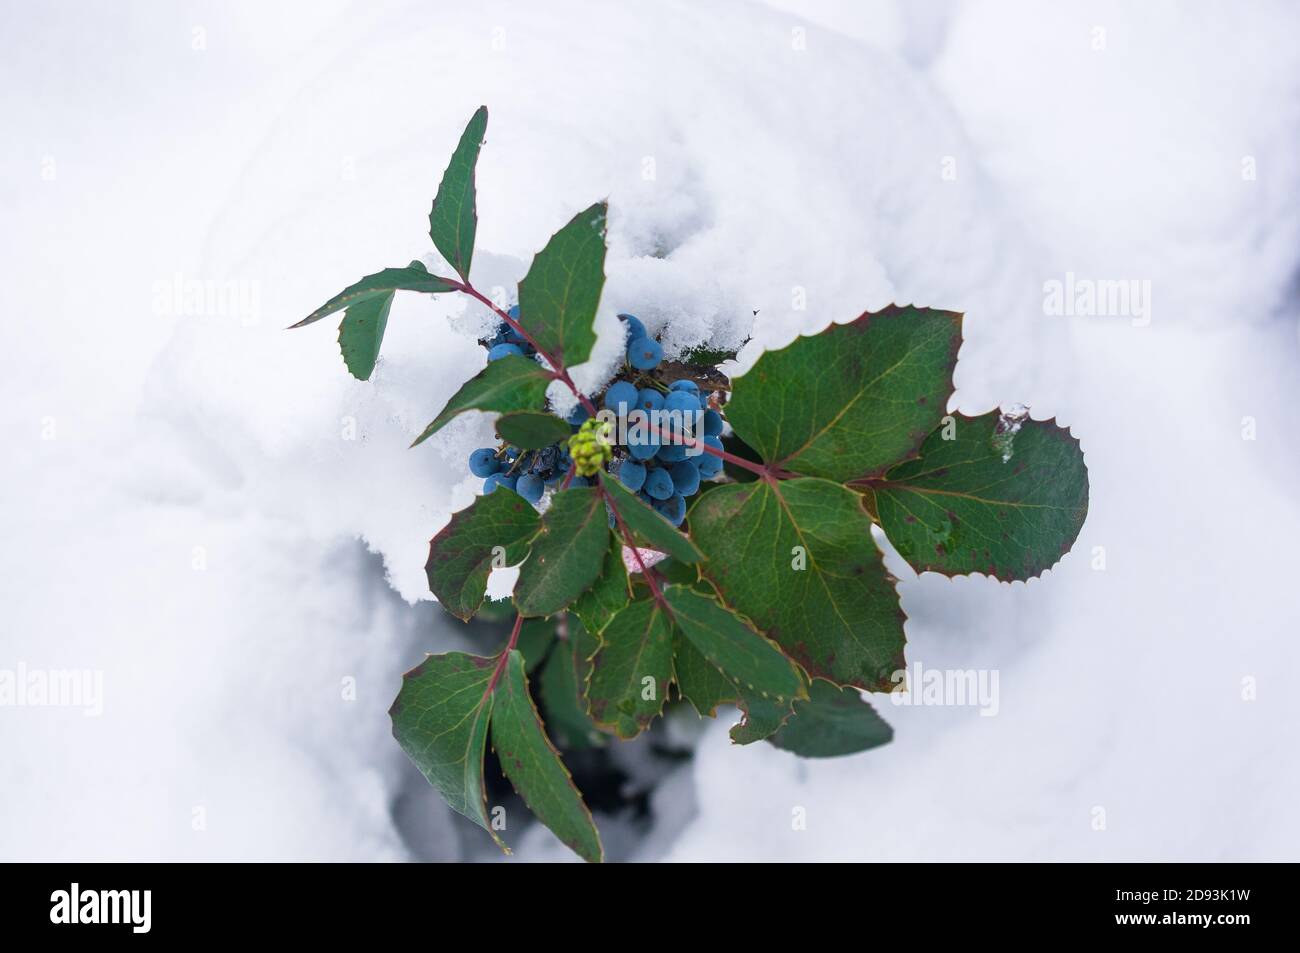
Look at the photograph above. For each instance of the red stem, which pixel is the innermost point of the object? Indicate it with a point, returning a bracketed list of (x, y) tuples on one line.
[(558, 370), (505, 654), (636, 552), (750, 465)]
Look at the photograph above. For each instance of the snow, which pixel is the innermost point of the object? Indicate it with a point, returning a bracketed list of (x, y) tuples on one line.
[(184, 490)]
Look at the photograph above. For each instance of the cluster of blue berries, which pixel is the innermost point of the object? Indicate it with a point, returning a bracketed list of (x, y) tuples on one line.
[(663, 473), (508, 341)]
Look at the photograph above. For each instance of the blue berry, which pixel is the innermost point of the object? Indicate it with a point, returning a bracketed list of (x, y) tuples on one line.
[(484, 462), (658, 484), (686, 477), (631, 474), (514, 311), (577, 415), (672, 452), (683, 401), (686, 385), (530, 487), (499, 479), (621, 397), (672, 509), (642, 449), (579, 481), (712, 423), (649, 399), (504, 350), (644, 353), (710, 466), (635, 329)]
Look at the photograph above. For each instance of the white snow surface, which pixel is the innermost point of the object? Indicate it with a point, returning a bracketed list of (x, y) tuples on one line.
[(183, 496)]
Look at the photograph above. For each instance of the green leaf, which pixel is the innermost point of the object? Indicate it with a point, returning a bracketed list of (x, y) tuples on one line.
[(742, 654), (710, 356), (632, 669), (440, 719), (832, 722), (362, 331), (650, 528), (561, 691), (838, 616), (536, 636), (608, 594), (509, 384), (699, 680), (1003, 498), (566, 555), (763, 718), (705, 687), (531, 430), (533, 765), (414, 277), (496, 526), (453, 218), (559, 295), (853, 400)]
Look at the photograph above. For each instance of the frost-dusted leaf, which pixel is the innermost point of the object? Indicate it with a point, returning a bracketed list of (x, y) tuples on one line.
[(648, 526), (710, 356), (632, 669), (453, 218), (797, 559), (852, 400), (608, 594), (832, 722), (440, 719), (699, 680), (566, 555), (361, 332), (534, 767), (532, 430), (739, 651), (559, 295), (496, 526), (1007, 499), (414, 277), (509, 384), (561, 691)]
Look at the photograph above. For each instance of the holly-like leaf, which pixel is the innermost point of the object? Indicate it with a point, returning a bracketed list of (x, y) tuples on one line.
[(509, 384), (566, 554), (532, 430), (608, 594), (632, 669), (647, 525), (1005, 497), (559, 295), (832, 722), (763, 717), (440, 719), (536, 636), (853, 400), (797, 558), (699, 680), (495, 528), (534, 767), (361, 332), (453, 218), (561, 692), (739, 651), (414, 277)]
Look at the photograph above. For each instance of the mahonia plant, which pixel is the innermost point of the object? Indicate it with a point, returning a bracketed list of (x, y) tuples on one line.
[(774, 597)]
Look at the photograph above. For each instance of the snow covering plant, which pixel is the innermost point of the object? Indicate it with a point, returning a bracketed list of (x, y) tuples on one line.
[(774, 598)]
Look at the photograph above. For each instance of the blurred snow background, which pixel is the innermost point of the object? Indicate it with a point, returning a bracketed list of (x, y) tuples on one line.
[(210, 511)]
